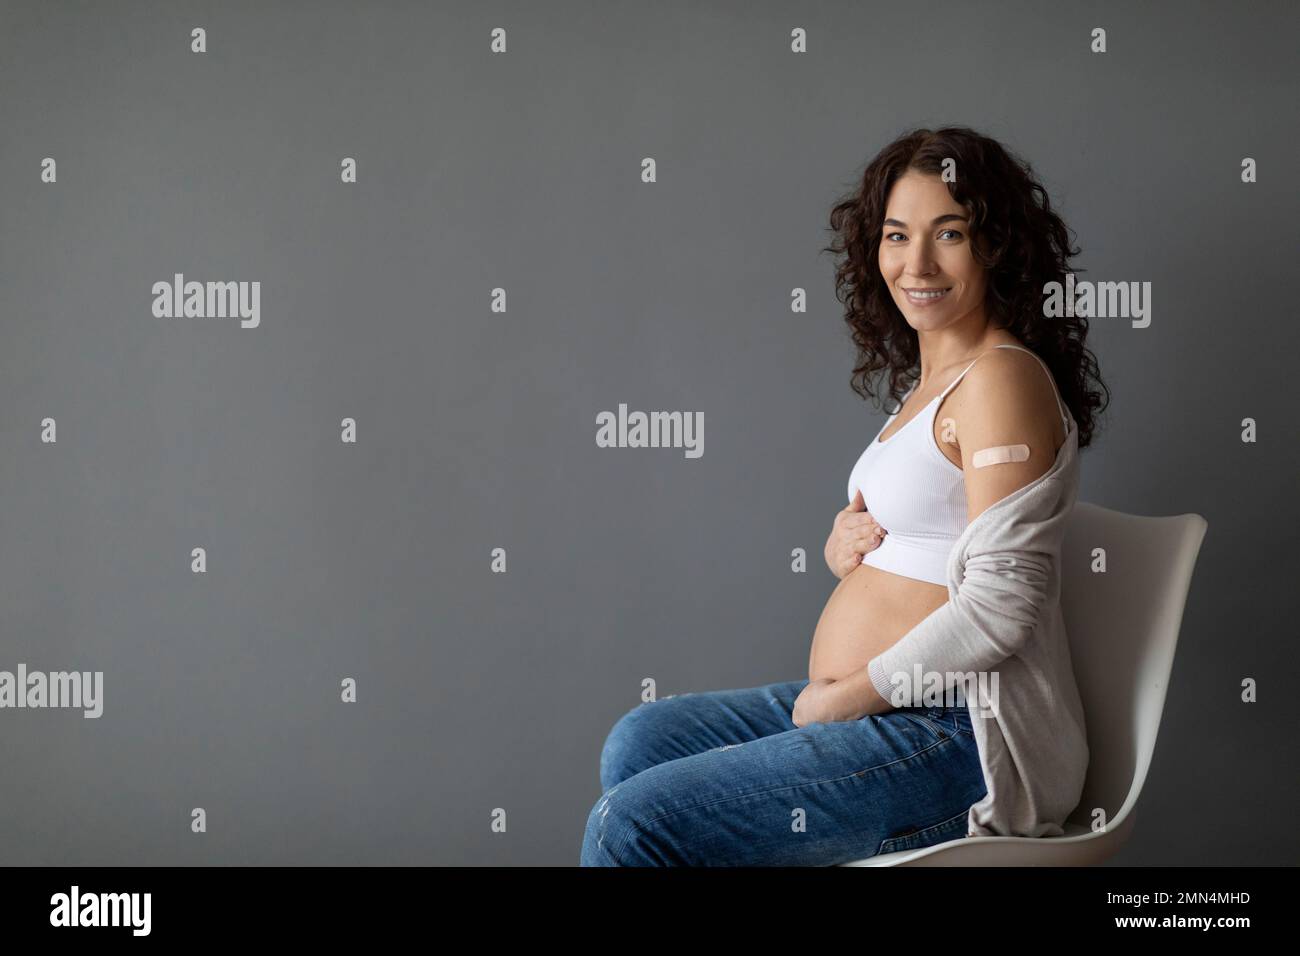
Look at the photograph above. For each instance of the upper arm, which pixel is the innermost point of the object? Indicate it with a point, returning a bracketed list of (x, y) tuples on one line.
[(1008, 400)]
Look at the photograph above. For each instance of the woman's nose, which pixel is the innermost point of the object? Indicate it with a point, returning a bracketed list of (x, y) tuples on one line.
[(920, 260)]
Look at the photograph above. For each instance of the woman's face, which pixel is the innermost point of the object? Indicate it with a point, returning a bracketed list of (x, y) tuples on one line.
[(925, 248)]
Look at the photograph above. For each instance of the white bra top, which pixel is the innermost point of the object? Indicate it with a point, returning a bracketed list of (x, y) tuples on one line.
[(915, 493)]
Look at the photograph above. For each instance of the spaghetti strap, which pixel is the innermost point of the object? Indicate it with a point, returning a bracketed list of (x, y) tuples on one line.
[(953, 383)]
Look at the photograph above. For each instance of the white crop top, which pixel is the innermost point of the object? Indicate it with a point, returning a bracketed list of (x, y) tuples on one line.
[(915, 493)]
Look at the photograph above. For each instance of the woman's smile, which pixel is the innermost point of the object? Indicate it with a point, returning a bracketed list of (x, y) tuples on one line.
[(921, 297)]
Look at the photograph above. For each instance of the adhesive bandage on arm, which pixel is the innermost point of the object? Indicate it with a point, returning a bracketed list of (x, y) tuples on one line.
[(1000, 455)]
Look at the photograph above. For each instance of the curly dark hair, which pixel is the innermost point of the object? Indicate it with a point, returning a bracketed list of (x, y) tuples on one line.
[(1016, 236)]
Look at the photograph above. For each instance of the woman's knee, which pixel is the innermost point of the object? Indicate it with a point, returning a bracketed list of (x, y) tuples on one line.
[(629, 747), (621, 743), (614, 836)]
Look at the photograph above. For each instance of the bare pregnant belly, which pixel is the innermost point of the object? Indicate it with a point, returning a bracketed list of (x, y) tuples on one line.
[(867, 613)]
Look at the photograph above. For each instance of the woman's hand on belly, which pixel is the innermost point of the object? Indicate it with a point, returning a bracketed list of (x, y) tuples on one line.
[(825, 701), (813, 703), (854, 533)]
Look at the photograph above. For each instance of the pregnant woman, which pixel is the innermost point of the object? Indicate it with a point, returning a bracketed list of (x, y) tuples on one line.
[(947, 246)]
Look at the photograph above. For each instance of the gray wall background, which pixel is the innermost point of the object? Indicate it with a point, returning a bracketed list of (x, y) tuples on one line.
[(477, 430)]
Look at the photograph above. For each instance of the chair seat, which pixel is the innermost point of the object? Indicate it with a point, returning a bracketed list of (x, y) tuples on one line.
[(1078, 846), (1123, 629)]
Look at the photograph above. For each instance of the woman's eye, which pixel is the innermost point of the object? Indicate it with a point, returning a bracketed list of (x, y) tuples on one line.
[(953, 232)]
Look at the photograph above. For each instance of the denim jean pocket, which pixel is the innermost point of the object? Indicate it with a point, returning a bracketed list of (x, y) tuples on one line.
[(951, 829), (929, 722)]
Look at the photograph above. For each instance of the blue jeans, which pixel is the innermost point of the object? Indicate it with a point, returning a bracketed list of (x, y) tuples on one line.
[(725, 778)]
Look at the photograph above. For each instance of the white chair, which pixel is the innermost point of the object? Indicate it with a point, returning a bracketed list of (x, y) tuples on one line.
[(1123, 628)]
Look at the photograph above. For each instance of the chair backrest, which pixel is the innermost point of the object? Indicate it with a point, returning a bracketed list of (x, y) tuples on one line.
[(1123, 627)]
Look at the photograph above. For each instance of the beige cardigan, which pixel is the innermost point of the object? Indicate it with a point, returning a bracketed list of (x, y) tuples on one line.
[(1003, 621)]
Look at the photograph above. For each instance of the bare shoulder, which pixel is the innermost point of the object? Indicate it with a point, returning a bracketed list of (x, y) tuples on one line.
[(1005, 400), (1009, 392)]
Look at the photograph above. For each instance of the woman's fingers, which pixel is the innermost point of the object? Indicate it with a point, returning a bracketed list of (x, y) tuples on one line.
[(866, 543), (851, 519), (857, 533), (858, 527)]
